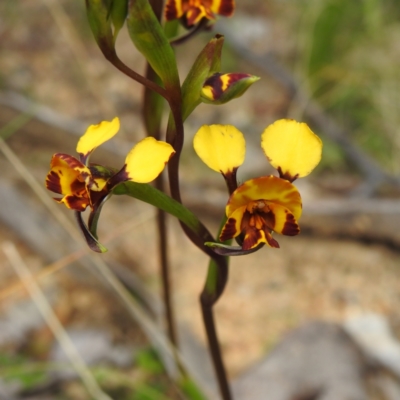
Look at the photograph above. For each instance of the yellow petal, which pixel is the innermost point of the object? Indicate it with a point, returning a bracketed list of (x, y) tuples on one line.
[(292, 148), (67, 174), (147, 159), (96, 135), (270, 188), (223, 7), (284, 221), (220, 147), (232, 227)]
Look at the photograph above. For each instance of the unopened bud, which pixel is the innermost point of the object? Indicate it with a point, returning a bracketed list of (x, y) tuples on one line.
[(221, 88), (98, 12)]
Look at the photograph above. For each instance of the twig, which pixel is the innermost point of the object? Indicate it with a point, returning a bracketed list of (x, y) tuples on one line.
[(53, 322)]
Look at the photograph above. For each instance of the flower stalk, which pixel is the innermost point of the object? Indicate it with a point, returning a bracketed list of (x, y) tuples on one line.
[(256, 210)]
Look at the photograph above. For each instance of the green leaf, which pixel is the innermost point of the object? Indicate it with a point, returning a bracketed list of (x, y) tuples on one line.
[(98, 12), (119, 11), (148, 36), (153, 196), (207, 63), (153, 106)]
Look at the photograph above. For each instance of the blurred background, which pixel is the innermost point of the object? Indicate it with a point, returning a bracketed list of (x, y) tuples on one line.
[(333, 64)]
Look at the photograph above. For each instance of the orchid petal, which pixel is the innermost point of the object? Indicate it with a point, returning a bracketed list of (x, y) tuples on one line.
[(147, 160), (270, 188), (221, 147), (292, 148), (96, 135)]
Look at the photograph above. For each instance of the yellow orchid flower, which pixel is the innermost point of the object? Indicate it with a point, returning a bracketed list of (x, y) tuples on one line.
[(259, 207), (193, 11), (267, 204), (83, 185)]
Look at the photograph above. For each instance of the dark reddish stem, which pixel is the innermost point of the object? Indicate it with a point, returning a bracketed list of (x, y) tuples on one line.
[(152, 114), (175, 136), (112, 57)]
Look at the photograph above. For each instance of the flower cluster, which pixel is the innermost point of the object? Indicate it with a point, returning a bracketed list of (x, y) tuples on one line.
[(84, 185), (267, 204)]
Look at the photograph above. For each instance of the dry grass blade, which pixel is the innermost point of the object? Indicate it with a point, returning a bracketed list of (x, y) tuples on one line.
[(53, 322), (80, 54)]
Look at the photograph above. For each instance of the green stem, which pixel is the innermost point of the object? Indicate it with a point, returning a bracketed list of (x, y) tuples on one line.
[(197, 29)]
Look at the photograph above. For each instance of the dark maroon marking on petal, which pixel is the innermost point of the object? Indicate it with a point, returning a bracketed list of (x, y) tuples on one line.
[(71, 161), (286, 175), (291, 228), (226, 8), (215, 82), (271, 241), (231, 179), (96, 197), (77, 203), (251, 238), (53, 182), (78, 187), (194, 15), (119, 177), (229, 231), (234, 77), (83, 158), (171, 11), (269, 219)]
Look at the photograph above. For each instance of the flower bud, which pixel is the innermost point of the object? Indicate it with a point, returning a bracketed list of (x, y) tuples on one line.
[(221, 88), (119, 12), (207, 63), (98, 15)]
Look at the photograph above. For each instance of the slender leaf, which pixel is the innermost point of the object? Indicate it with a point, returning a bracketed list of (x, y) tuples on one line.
[(149, 38)]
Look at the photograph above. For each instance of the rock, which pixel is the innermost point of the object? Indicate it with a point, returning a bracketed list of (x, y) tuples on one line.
[(316, 361)]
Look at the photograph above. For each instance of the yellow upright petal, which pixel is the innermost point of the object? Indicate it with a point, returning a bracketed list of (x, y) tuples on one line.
[(96, 135), (292, 148), (220, 147), (147, 159)]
